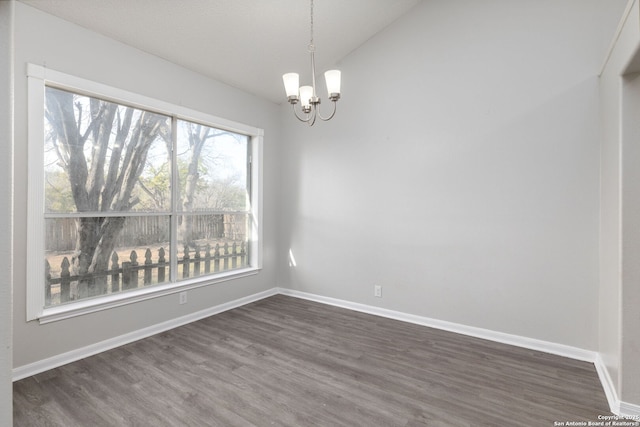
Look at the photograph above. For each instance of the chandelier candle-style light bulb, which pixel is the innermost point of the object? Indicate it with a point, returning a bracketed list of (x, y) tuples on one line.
[(332, 78), (291, 83), (307, 95)]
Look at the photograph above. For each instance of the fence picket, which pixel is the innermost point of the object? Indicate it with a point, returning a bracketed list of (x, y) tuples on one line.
[(196, 263), (125, 275), (234, 258), (147, 267), (216, 259), (133, 280), (185, 263), (207, 259), (65, 281), (115, 277), (47, 288), (161, 267)]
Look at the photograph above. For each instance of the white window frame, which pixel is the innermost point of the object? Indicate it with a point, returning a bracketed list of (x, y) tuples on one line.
[(38, 78)]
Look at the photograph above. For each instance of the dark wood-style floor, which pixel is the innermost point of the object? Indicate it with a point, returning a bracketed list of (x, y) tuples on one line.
[(284, 361)]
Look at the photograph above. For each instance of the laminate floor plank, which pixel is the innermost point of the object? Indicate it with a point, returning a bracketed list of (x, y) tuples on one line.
[(284, 361)]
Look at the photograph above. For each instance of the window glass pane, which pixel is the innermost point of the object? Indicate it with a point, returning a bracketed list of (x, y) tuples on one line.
[(100, 156), (129, 253), (212, 166), (211, 243)]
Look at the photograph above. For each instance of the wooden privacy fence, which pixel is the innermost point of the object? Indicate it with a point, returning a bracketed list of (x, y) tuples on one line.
[(61, 233), (133, 273)]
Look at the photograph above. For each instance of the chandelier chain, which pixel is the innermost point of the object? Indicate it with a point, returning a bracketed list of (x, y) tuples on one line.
[(312, 47)]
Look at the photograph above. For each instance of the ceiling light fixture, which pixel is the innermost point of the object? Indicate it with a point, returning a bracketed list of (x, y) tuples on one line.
[(309, 101)]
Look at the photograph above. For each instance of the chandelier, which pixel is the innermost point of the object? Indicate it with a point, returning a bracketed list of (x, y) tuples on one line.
[(309, 100)]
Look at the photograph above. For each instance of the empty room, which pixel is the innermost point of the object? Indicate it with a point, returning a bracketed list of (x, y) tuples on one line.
[(320, 212)]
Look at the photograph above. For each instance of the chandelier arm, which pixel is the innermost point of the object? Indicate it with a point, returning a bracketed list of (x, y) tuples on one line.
[(302, 119), (312, 119), (333, 113)]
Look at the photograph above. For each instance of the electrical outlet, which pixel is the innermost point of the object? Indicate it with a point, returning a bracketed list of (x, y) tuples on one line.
[(377, 291), (183, 297)]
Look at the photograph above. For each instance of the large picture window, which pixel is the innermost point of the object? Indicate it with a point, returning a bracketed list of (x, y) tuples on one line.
[(135, 198)]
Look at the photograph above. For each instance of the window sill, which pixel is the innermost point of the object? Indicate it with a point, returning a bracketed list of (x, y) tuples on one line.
[(92, 305)]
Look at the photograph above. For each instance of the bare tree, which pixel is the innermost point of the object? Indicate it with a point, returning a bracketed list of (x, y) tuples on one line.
[(103, 175), (198, 137)]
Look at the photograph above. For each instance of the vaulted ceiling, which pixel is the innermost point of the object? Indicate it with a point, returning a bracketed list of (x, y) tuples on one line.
[(248, 44)]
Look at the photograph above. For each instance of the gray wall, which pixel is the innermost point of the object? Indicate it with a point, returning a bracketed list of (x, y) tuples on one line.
[(6, 144), (461, 170), (45, 40)]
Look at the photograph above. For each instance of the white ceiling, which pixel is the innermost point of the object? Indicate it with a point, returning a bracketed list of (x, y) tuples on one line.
[(248, 44)]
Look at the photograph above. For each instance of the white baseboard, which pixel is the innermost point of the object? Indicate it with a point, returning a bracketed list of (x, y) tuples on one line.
[(629, 410), (80, 353), (529, 343), (617, 406), (607, 385)]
